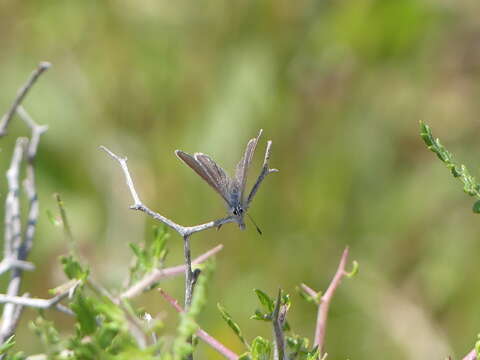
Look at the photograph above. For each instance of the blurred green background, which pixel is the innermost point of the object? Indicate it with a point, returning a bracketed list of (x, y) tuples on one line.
[(339, 86)]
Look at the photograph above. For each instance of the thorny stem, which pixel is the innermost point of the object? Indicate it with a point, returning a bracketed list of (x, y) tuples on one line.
[(215, 344)]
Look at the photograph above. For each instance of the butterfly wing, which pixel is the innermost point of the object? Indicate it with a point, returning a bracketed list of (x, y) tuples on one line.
[(212, 177), (244, 164), (217, 174)]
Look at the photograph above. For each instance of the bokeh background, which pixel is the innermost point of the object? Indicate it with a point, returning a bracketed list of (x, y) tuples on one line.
[(339, 86)]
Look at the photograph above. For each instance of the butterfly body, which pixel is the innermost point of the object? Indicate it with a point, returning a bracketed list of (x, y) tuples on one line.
[(232, 190)]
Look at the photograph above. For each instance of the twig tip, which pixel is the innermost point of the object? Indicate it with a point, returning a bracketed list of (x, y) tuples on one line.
[(44, 65)]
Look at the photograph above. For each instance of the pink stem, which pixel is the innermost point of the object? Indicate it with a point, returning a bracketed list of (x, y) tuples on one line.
[(202, 334), (472, 355), (325, 302)]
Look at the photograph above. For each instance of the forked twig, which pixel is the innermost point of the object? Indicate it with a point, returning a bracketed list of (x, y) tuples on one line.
[(263, 173)]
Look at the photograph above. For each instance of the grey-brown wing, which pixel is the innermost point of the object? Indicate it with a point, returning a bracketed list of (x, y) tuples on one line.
[(217, 174), (196, 166), (244, 164)]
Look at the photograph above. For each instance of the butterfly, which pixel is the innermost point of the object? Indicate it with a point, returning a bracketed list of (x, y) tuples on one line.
[(232, 190)]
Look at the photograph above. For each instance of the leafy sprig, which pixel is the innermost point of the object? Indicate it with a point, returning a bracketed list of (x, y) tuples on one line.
[(459, 171)]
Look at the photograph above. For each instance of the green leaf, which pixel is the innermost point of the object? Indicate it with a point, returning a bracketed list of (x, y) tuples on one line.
[(48, 335), (470, 185), (73, 269), (231, 323), (161, 236), (84, 309), (306, 296), (261, 349), (261, 316), (7, 344), (354, 271), (314, 354), (476, 207), (52, 219), (265, 300), (245, 356)]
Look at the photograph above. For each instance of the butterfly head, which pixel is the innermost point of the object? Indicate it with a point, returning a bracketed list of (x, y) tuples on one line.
[(239, 212)]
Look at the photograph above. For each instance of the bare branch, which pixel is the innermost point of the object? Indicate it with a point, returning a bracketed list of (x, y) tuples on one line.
[(16, 248), (9, 264), (158, 274), (263, 173), (189, 279), (12, 239), (4, 122), (12, 202), (37, 131), (32, 302), (202, 334), (326, 300)]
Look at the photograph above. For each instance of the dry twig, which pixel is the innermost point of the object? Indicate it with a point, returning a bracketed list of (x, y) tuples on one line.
[(16, 247), (5, 121)]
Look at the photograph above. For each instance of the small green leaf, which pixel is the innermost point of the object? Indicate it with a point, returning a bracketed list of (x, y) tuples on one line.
[(7, 344), (136, 250), (53, 220), (73, 269), (84, 309), (306, 296), (161, 236), (233, 325), (261, 349), (245, 356), (261, 316), (314, 354), (265, 300), (476, 207), (354, 271)]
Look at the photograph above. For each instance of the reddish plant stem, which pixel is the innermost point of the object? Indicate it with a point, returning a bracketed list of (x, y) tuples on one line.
[(326, 300), (202, 334)]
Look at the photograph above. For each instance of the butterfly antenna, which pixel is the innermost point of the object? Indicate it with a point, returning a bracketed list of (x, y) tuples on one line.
[(253, 222)]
